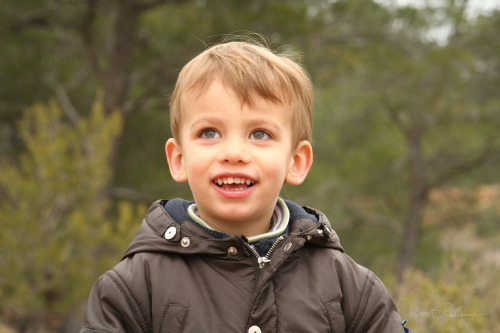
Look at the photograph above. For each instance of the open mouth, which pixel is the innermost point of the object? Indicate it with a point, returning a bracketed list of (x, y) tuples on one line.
[(234, 183)]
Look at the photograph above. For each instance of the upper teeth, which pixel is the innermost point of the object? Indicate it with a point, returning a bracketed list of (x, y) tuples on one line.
[(231, 180)]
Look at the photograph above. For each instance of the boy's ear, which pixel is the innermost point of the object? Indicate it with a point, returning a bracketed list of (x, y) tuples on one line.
[(175, 160), (300, 163)]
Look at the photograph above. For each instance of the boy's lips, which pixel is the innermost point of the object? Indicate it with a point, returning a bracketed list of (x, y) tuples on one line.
[(234, 186)]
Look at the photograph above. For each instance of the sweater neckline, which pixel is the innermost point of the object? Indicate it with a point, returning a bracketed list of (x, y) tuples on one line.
[(278, 224)]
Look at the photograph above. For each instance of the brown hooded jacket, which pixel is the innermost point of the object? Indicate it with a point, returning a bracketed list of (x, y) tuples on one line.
[(176, 277)]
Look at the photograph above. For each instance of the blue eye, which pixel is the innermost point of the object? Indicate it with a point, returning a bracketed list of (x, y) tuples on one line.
[(260, 135), (210, 134)]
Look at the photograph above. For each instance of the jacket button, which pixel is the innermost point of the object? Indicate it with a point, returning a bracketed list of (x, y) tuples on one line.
[(254, 329), (170, 233), (232, 250), (288, 246), (185, 241)]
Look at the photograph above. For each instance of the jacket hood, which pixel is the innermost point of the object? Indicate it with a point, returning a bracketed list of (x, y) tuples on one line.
[(167, 224)]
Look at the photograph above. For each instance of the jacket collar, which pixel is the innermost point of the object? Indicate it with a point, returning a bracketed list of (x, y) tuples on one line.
[(166, 230)]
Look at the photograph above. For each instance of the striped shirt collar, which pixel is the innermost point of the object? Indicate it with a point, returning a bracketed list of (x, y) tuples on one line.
[(279, 221)]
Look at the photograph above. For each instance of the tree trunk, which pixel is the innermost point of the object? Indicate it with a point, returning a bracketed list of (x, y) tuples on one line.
[(117, 75), (418, 200), (118, 71)]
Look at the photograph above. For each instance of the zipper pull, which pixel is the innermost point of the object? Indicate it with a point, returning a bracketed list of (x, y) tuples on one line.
[(262, 261)]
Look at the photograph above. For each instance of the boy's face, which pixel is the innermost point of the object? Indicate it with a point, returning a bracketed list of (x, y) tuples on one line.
[(236, 158)]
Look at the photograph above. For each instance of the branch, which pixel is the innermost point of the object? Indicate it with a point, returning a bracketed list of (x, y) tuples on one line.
[(139, 102), (459, 166), (67, 106), (393, 113), (458, 13), (152, 89), (374, 220), (146, 5), (130, 194), (142, 103), (40, 19)]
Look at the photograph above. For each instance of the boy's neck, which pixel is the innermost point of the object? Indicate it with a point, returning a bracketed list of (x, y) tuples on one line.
[(273, 226)]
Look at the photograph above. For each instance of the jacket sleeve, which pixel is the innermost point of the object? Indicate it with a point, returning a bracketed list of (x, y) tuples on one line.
[(376, 310), (112, 308)]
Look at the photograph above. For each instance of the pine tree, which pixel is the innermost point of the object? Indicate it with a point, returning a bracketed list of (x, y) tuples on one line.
[(57, 233)]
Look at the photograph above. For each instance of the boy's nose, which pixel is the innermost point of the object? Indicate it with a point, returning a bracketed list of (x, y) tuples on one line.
[(234, 152)]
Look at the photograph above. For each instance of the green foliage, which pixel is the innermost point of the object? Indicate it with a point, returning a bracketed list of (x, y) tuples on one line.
[(57, 233), (458, 293), (386, 97), (461, 297)]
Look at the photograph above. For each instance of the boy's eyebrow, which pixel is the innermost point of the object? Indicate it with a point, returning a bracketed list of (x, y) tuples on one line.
[(213, 120), (264, 122), (252, 122)]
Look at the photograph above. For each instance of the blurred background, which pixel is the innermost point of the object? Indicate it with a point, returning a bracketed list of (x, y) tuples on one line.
[(407, 142)]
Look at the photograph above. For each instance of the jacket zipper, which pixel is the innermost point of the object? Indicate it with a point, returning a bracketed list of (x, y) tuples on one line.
[(266, 259)]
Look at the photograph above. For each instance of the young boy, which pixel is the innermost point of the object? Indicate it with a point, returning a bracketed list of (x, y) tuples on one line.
[(239, 258)]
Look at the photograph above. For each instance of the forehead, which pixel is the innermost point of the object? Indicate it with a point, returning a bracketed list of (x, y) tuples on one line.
[(218, 100), (219, 92), (247, 91)]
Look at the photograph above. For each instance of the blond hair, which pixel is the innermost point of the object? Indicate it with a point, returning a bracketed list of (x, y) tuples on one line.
[(252, 71)]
